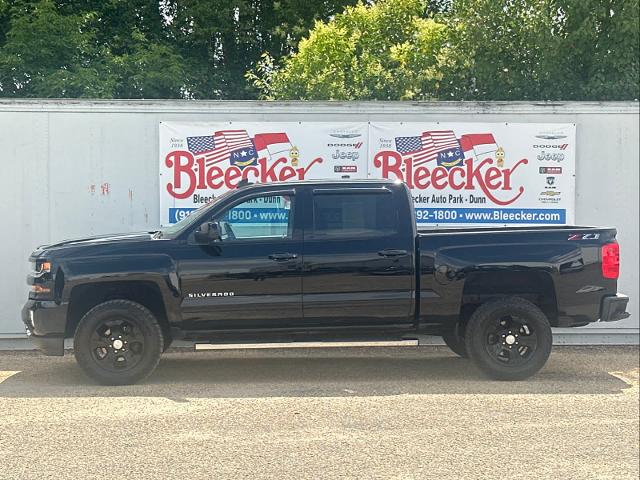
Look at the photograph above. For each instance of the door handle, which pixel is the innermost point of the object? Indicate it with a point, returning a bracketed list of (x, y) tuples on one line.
[(390, 252), (278, 257)]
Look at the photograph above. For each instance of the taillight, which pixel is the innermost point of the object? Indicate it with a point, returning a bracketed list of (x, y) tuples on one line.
[(610, 260)]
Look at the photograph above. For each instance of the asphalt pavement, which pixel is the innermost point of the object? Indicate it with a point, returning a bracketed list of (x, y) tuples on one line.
[(403, 413)]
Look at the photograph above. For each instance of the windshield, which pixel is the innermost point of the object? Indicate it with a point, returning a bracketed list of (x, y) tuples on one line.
[(192, 218)]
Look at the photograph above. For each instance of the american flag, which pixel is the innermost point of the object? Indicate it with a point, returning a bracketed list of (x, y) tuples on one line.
[(200, 145), (218, 148), (419, 148), (443, 139)]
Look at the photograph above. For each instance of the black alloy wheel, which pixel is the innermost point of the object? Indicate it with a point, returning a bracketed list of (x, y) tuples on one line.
[(118, 342), (509, 338), (117, 345)]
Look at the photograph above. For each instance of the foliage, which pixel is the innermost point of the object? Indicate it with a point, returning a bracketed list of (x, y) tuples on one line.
[(321, 49), (47, 53), (386, 52), (43, 48), (222, 40), (464, 50), (146, 48), (543, 49)]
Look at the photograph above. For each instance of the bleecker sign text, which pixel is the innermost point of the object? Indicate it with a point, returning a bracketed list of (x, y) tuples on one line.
[(483, 175), (191, 174), (458, 173)]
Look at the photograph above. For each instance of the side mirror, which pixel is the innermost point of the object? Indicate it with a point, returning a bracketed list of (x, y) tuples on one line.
[(208, 232)]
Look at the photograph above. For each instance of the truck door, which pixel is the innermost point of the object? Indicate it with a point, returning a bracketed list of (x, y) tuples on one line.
[(251, 278), (358, 258)]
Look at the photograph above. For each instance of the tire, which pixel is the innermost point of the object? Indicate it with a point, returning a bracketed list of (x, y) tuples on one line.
[(456, 342), (118, 342), (509, 338)]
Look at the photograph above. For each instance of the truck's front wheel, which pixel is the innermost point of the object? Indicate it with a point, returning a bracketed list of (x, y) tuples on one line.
[(118, 342), (455, 341), (509, 338)]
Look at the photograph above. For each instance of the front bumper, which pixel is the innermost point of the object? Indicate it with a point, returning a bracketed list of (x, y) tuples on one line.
[(45, 322), (614, 308)]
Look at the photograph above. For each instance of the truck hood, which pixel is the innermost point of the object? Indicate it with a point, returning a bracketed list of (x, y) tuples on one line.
[(95, 241)]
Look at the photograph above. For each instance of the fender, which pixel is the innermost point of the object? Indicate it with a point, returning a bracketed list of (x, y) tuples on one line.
[(157, 268)]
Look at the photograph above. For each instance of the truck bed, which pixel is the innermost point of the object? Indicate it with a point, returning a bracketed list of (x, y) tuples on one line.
[(557, 266)]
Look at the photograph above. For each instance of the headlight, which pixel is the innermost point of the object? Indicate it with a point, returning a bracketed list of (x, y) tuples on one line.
[(40, 289), (43, 267), (41, 283)]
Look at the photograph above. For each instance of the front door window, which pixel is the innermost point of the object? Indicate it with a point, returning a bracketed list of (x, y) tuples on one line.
[(263, 217)]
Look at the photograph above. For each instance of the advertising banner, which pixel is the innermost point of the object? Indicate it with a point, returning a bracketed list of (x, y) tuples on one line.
[(458, 173), (480, 173), (200, 161)]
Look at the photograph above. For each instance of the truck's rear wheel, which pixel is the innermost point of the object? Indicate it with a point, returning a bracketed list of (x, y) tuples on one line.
[(118, 342), (509, 338)]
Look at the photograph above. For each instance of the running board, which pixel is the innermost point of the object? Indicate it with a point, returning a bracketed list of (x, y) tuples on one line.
[(244, 346)]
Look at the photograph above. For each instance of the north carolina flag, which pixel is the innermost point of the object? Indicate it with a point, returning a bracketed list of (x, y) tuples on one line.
[(273, 145), (478, 145), (447, 146), (220, 146)]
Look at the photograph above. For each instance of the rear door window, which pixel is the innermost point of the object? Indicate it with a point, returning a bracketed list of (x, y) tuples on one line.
[(354, 215)]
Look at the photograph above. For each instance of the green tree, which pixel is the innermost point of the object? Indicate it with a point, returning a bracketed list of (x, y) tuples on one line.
[(543, 49), (145, 59), (146, 48), (464, 49), (388, 49), (50, 50), (45, 52), (385, 51), (222, 40)]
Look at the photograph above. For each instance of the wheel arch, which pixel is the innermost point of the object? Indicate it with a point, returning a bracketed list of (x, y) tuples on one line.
[(533, 285), (147, 293)]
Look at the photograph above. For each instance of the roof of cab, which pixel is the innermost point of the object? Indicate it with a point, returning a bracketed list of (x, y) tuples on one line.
[(315, 182)]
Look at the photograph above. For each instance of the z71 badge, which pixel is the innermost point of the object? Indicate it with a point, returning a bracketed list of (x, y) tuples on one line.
[(584, 236)]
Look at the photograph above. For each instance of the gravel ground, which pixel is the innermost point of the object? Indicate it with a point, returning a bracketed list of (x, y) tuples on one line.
[(336, 413)]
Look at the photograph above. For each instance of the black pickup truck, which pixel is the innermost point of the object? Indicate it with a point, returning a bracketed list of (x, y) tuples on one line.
[(291, 263)]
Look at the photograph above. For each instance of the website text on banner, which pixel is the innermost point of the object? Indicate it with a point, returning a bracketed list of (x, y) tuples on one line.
[(464, 174)]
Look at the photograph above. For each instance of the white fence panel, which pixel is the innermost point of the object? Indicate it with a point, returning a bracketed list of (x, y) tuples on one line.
[(72, 168)]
